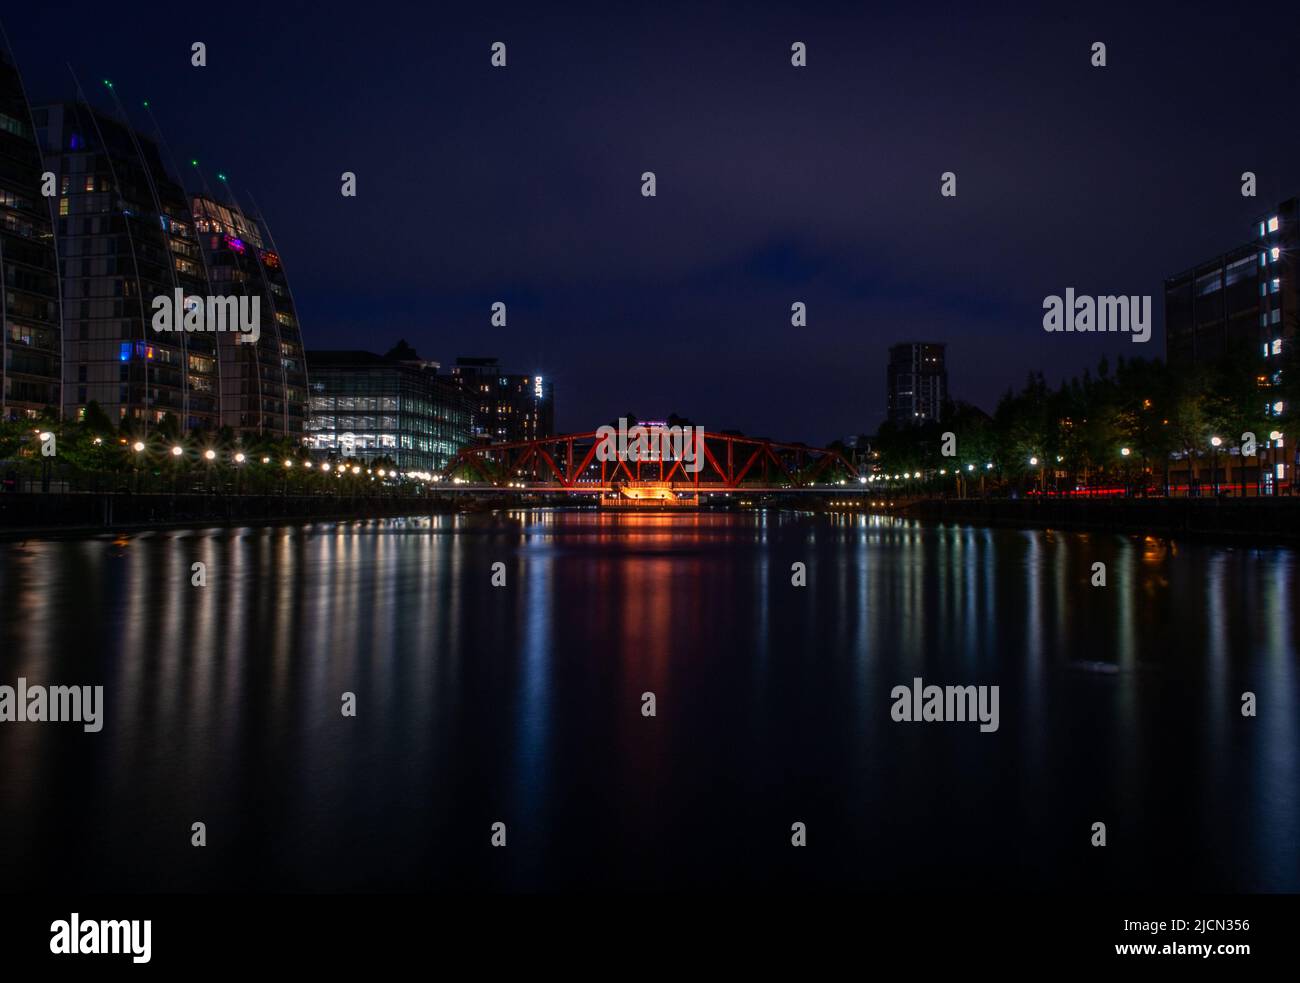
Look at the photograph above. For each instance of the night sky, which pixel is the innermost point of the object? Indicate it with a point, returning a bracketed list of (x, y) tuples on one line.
[(775, 184)]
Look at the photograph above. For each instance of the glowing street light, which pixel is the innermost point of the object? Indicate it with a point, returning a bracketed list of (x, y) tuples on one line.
[(239, 458), (138, 447), (1125, 451), (210, 455), (177, 450)]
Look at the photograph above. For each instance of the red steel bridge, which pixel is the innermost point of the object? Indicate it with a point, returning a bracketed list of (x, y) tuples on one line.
[(730, 463)]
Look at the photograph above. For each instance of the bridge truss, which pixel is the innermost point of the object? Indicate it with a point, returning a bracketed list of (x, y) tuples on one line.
[(729, 462)]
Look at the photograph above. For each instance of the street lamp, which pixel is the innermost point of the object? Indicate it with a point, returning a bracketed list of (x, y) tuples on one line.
[(1042, 482), (177, 451), (209, 456), (1274, 442), (1215, 442)]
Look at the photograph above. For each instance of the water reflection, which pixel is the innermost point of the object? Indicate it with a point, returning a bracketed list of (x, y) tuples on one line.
[(522, 704)]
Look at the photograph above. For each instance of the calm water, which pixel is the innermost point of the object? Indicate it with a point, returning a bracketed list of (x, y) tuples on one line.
[(523, 705)]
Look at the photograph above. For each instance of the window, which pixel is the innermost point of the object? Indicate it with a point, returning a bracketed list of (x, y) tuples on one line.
[(1272, 224), (1236, 271), (1277, 346)]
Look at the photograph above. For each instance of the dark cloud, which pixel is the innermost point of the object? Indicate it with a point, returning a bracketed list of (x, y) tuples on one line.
[(775, 184)]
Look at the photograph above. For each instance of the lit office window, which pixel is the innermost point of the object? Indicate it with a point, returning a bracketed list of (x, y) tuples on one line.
[(1272, 224), (1277, 346)]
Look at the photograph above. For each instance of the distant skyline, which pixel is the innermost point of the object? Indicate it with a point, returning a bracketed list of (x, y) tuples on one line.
[(776, 184)]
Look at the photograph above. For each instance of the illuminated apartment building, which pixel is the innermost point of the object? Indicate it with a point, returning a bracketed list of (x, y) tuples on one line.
[(263, 384), (125, 236), (916, 383), (31, 342), (505, 407)]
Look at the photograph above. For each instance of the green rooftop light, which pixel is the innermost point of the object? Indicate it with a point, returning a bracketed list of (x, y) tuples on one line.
[(108, 83), (194, 163), (146, 104), (220, 176)]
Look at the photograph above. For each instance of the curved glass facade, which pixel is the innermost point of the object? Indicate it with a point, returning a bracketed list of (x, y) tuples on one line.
[(264, 384), (31, 342), (125, 237)]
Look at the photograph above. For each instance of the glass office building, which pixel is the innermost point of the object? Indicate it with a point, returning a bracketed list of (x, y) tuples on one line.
[(370, 406)]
